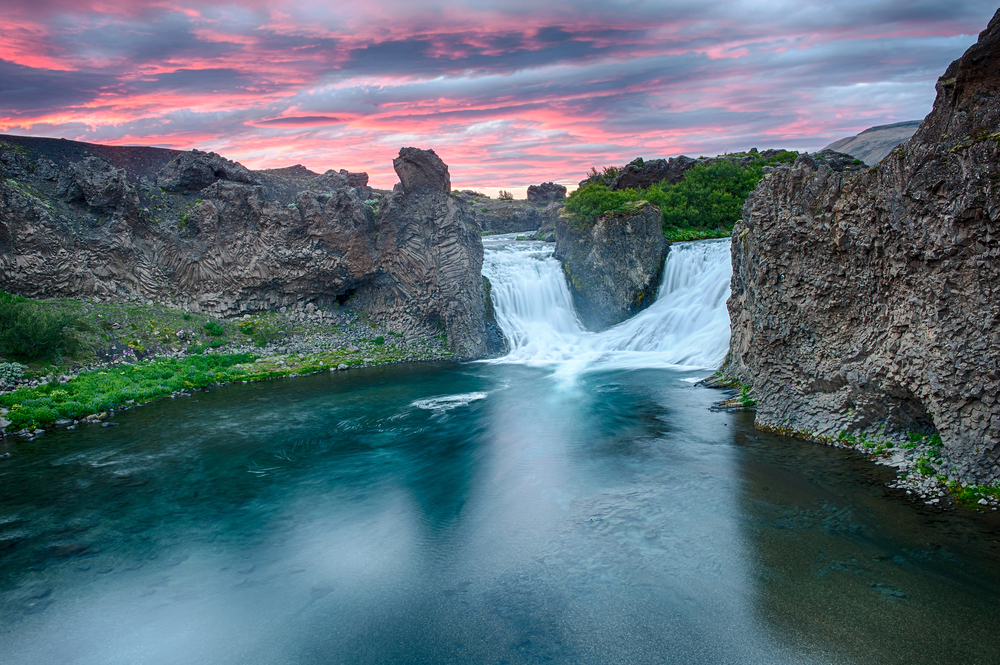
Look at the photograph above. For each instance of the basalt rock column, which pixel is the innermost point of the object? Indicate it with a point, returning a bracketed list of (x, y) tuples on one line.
[(430, 260), (869, 300)]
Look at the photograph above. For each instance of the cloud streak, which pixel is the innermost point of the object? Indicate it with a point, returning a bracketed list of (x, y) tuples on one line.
[(507, 93)]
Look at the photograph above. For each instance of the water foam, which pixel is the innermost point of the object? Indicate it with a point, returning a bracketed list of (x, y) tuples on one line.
[(686, 328), (448, 402)]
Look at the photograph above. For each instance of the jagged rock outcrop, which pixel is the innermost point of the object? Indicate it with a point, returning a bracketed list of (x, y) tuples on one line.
[(547, 191), (355, 179), (614, 266), (222, 239), (498, 216), (870, 300), (641, 174), (196, 170), (430, 260), (421, 169)]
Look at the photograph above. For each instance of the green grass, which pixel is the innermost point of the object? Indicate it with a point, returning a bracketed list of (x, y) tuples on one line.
[(60, 334), (100, 390)]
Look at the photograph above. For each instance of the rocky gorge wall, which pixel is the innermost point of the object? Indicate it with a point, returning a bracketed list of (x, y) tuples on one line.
[(869, 300), (199, 231)]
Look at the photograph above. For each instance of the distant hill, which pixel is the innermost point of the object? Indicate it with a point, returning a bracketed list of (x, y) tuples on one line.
[(871, 145)]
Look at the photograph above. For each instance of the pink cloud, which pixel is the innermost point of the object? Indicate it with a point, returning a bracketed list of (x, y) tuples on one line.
[(512, 95)]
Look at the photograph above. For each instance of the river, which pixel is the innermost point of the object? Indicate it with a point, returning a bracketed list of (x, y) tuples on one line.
[(573, 502)]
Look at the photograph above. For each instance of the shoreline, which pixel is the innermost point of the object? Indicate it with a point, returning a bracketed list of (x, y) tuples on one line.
[(311, 340), (916, 457)]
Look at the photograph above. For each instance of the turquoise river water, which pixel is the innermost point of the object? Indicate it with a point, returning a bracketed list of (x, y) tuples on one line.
[(575, 502)]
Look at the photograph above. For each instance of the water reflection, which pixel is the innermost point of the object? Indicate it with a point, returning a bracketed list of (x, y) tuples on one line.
[(397, 515), (846, 569)]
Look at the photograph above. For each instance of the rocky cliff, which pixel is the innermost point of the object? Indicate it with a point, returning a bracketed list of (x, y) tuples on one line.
[(202, 232), (614, 266), (499, 216), (868, 301), (429, 260)]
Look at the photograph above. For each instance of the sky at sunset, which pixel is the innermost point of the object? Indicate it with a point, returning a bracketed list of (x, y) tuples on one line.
[(507, 93)]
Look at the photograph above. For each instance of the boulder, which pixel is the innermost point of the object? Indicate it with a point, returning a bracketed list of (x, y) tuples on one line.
[(102, 186), (547, 191), (196, 170), (421, 169)]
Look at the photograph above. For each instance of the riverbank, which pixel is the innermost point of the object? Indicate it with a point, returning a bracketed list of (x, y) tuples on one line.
[(917, 457), (128, 354)]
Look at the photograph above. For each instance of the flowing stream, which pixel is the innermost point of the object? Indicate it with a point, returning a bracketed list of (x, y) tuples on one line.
[(574, 502)]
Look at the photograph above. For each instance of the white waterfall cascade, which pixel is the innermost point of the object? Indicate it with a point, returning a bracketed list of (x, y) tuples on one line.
[(686, 328)]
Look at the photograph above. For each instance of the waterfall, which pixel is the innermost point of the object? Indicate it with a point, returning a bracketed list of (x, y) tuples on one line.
[(686, 328)]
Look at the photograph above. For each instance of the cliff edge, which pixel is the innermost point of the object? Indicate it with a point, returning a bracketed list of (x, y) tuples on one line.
[(868, 301), (198, 231)]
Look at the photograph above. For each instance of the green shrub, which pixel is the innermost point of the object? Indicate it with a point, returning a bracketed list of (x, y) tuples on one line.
[(214, 329), (379, 341), (262, 330), (595, 199), (29, 331), (709, 199), (11, 372)]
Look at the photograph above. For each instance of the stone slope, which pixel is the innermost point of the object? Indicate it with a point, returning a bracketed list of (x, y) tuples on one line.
[(869, 301), (873, 144), (199, 231)]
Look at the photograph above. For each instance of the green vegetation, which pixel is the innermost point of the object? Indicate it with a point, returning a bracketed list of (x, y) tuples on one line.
[(96, 392), (214, 329), (121, 385), (971, 495), (705, 204), (29, 331), (11, 372), (873, 445), (261, 329), (59, 334)]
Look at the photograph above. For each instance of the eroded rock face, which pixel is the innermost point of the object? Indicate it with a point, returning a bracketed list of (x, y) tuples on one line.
[(614, 266), (421, 169), (499, 216), (245, 242), (195, 170), (641, 174), (547, 191), (869, 299), (430, 261)]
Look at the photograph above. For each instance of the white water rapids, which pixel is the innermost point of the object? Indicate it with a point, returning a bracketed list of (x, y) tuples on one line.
[(686, 328)]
